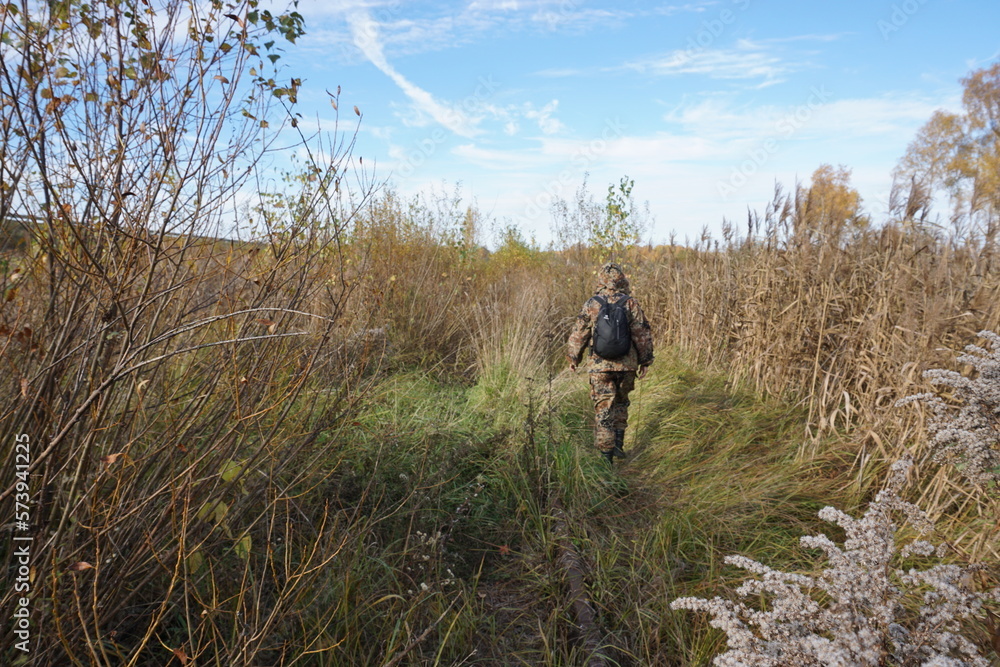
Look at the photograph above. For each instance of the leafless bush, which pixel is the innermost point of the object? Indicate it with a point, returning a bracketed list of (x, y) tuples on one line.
[(154, 367)]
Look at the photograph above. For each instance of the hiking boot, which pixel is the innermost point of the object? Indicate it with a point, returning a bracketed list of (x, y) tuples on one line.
[(612, 454)]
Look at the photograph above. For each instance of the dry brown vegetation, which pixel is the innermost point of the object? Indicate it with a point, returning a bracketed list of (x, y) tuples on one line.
[(843, 326), (341, 441), (200, 477)]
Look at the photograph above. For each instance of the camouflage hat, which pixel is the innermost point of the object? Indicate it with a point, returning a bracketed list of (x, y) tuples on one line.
[(611, 277)]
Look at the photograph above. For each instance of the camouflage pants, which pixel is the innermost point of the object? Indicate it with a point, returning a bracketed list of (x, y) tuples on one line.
[(609, 391)]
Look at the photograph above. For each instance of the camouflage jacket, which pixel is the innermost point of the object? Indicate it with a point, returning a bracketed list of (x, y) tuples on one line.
[(641, 352)]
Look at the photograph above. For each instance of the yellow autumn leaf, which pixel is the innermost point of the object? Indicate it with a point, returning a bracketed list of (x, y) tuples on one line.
[(243, 547)]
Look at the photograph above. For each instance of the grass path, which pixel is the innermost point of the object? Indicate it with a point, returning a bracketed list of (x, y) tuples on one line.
[(711, 472), (471, 522)]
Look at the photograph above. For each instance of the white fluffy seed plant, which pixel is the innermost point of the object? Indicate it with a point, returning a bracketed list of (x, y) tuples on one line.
[(965, 429), (855, 611), (865, 607)]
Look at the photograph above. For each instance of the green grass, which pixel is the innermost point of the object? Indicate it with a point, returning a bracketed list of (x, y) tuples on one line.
[(712, 471)]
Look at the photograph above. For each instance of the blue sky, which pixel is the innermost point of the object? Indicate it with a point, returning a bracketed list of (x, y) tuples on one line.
[(705, 104)]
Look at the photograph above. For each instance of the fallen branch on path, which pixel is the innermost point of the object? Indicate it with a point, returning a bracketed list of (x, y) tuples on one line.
[(583, 611)]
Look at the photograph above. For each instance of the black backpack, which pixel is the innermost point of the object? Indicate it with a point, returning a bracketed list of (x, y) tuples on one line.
[(612, 334)]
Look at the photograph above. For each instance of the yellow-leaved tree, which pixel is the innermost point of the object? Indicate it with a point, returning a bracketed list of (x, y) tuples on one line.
[(829, 210), (959, 154)]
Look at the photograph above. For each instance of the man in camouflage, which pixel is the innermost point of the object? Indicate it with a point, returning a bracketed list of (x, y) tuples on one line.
[(611, 380)]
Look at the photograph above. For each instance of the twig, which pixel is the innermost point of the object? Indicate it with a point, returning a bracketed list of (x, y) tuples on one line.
[(583, 611), (423, 635)]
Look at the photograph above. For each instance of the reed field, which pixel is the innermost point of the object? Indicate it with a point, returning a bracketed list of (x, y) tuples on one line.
[(348, 433), (291, 451)]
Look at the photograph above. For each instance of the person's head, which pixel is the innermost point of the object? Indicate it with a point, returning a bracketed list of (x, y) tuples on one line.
[(611, 278)]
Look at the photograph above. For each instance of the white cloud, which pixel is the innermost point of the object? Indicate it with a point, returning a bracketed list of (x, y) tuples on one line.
[(511, 116), (817, 114), (691, 7), (379, 132), (679, 170), (517, 145), (365, 33), (896, 114), (497, 159), (546, 123), (632, 154), (402, 33), (560, 17), (495, 5), (976, 63), (716, 119), (746, 61)]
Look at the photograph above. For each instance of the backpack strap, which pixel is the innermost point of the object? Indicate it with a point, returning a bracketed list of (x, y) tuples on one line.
[(622, 298), (621, 302), (618, 302)]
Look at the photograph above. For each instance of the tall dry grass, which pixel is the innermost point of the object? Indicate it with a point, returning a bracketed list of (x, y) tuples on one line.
[(841, 323), (249, 496), (837, 316)]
